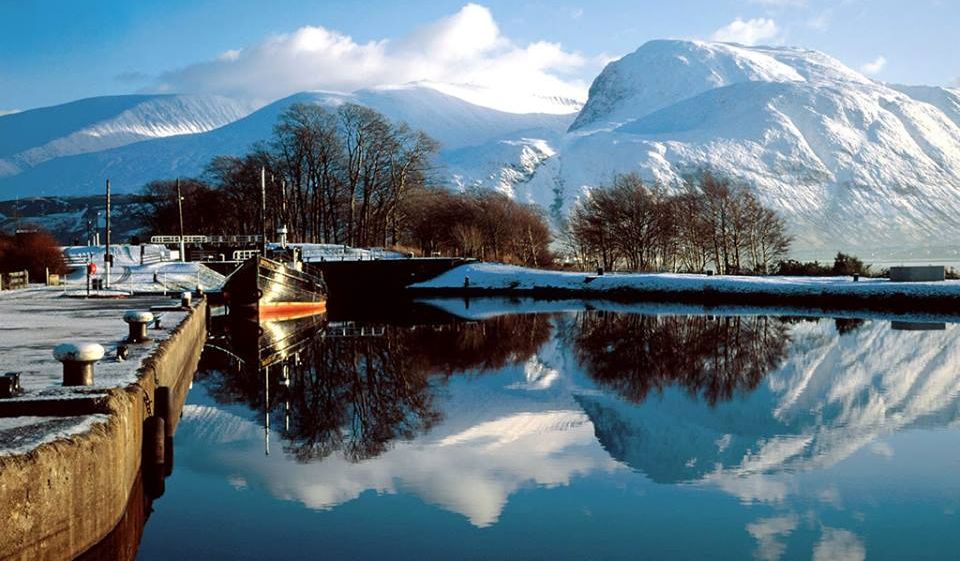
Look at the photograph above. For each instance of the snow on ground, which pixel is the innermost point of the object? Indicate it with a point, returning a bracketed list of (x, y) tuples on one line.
[(157, 275), (499, 276), (19, 435), (34, 320)]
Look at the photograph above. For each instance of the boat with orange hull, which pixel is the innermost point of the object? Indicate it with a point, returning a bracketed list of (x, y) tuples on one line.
[(265, 289)]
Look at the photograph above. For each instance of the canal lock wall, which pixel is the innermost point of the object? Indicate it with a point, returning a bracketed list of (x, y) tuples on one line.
[(63, 497)]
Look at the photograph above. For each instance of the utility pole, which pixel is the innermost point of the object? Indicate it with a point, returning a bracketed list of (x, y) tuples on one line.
[(183, 255), (107, 257)]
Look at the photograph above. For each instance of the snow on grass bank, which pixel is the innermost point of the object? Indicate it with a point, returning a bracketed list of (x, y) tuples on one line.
[(499, 277)]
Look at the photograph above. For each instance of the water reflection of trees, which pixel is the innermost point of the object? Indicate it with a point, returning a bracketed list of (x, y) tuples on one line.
[(355, 395), (711, 357)]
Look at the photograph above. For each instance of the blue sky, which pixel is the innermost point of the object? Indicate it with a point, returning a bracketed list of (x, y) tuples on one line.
[(57, 51)]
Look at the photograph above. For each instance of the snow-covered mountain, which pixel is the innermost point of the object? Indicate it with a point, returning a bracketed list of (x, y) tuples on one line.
[(32, 137), (481, 142), (841, 156), (851, 163)]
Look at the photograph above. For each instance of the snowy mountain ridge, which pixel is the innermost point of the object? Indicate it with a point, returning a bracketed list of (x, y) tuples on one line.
[(849, 162), (91, 125), (840, 156)]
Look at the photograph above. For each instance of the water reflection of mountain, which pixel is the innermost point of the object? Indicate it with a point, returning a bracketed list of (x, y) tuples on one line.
[(698, 398), (838, 389)]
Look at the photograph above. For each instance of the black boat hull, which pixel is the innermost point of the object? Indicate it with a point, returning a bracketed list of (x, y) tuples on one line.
[(265, 289)]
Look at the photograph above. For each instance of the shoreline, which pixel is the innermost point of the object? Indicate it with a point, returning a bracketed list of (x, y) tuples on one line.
[(819, 293)]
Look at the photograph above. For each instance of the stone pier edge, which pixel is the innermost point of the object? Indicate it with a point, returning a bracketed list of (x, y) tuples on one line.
[(63, 497)]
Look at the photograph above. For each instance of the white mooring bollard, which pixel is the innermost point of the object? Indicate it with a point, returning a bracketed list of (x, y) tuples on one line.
[(78, 360), (137, 321)]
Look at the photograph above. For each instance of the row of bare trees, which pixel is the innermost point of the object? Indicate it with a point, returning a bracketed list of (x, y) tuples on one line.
[(333, 176), (712, 222), (350, 176), (483, 224)]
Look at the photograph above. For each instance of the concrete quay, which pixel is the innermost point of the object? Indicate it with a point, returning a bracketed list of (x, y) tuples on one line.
[(70, 456)]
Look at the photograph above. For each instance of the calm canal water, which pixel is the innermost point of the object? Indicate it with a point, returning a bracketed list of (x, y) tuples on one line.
[(579, 434)]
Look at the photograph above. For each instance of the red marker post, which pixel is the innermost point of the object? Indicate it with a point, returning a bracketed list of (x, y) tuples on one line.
[(91, 270)]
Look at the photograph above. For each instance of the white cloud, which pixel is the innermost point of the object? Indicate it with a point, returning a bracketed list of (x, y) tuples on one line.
[(8, 111), (749, 32), (839, 545), (874, 66), (229, 56), (466, 48), (771, 533)]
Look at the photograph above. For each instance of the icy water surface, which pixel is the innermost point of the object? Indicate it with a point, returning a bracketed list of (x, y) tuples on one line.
[(573, 435)]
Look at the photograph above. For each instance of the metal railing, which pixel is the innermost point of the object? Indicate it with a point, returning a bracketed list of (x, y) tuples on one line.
[(238, 239)]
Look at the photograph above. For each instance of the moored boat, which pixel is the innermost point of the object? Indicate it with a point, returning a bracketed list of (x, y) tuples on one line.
[(265, 289)]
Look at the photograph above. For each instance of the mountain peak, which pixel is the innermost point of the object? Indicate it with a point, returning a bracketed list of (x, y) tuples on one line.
[(665, 71)]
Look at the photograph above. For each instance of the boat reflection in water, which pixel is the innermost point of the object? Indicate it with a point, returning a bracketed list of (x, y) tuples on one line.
[(355, 387)]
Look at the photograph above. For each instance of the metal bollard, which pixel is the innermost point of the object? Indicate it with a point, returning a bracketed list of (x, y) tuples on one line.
[(185, 298), (10, 385), (137, 321), (78, 360)]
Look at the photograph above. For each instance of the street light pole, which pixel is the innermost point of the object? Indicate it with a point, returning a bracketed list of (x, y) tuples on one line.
[(183, 256)]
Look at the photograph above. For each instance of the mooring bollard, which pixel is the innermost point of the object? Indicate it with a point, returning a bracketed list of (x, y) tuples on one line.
[(185, 298), (137, 321), (78, 360), (10, 385), (466, 282)]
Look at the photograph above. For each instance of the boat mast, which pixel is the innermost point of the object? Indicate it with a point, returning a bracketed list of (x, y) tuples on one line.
[(263, 211), (183, 249), (107, 257)]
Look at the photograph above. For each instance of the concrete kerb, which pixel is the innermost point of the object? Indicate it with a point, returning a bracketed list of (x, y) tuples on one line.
[(63, 497)]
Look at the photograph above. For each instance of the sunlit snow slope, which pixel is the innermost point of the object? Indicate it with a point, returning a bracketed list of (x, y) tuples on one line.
[(90, 125), (841, 156)]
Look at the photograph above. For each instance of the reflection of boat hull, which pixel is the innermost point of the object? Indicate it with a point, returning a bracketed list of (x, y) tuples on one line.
[(264, 289), (263, 343)]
